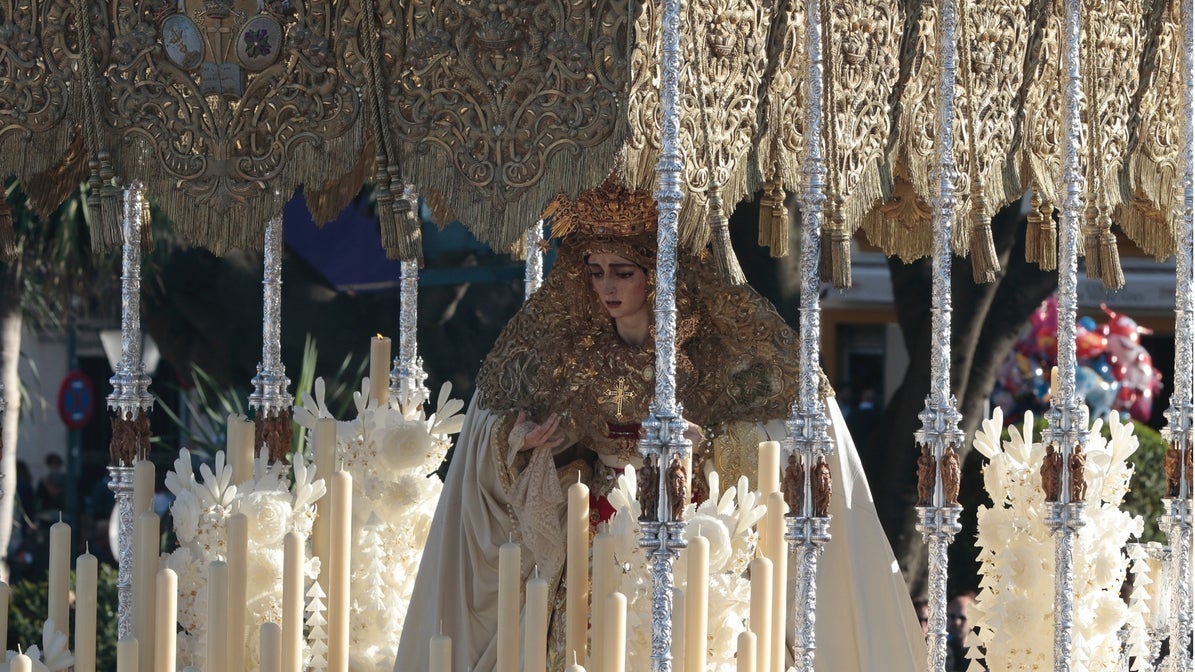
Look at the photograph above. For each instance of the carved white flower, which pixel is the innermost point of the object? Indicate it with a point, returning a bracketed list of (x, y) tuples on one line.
[(269, 514)]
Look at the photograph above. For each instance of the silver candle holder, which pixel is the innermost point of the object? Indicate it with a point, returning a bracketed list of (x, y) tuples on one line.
[(407, 377), (270, 386)]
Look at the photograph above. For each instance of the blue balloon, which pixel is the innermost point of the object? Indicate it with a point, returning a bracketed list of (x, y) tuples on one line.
[(1088, 323)]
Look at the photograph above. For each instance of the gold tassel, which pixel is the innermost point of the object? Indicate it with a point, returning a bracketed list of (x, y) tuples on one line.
[(1033, 228), (840, 258), (8, 239), (401, 236), (1047, 238), (724, 258), (984, 262), (773, 218), (1109, 256), (147, 229), (105, 232)]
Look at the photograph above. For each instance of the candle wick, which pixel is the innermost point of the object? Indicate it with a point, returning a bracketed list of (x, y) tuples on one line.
[(537, 571), (441, 626)]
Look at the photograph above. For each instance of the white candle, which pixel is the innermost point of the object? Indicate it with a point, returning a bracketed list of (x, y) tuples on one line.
[(1054, 386), (761, 611), (776, 553), (240, 447), (715, 484), (379, 370), (217, 615), (86, 598), (746, 652), (577, 572), (325, 465), (238, 567), (126, 656), (143, 486), (603, 585), (292, 602), (338, 588), (60, 576), (769, 467), (616, 632), (509, 578), (679, 631), (697, 603), (145, 577), (440, 654), (5, 598), (22, 663), (271, 648), (535, 647), (165, 639)]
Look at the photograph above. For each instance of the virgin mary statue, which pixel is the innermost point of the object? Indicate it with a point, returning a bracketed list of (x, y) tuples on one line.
[(561, 397)]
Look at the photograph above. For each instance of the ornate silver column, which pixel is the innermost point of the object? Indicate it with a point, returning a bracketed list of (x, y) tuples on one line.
[(1178, 434), (938, 467), (1065, 435), (664, 447), (407, 375), (808, 444), (533, 273), (270, 398), (130, 400)]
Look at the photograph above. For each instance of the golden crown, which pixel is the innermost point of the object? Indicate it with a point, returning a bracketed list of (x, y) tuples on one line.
[(609, 211)]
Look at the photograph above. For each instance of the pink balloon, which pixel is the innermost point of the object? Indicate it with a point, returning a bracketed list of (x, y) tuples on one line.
[(1142, 406)]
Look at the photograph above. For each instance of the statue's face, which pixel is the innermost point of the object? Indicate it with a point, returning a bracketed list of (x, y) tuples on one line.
[(620, 284)]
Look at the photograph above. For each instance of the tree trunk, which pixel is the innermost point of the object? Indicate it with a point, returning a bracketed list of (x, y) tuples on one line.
[(10, 355), (985, 323)]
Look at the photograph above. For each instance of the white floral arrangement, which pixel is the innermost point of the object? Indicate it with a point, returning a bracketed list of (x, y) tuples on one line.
[(279, 499), (54, 654), (728, 521), (1015, 606), (392, 453)]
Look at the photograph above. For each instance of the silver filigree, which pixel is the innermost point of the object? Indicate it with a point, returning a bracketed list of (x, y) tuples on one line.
[(533, 273), (130, 386), (120, 482), (407, 377), (807, 529), (938, 519), (1176, 521), (270, 385)]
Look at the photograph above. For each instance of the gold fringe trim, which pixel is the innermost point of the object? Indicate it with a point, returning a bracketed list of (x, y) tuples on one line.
[(275, 431), (1041, 234), (8, 239), (1152, 230), (985, 265), (437, 205), (147, 229), (773, 218), (48, 189), (335, 194), (901, 225)]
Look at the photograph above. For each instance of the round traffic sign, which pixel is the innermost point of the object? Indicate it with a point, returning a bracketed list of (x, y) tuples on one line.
[(75, 400)]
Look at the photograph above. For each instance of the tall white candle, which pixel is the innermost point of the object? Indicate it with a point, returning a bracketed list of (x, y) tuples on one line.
[(535, 647), (166, 638), (776, 553), (5, 598), (126, 655), (240, 447), (679, 629), (271, 648), (440, 653), (325, 466), (60, 576), (379, 370), (577, 572), (238, 589), (292, 602), (509, 578), (86, 597), (616, 632), (745, 654), (338, 589), (22, 663), (145, 574), (217, 616), (603, 585), (144, 474), (761, 611), (769, 467), (697, 603)]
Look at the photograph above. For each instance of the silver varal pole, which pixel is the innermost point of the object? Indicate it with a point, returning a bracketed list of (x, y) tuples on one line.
[(1178, 434), (407, 377), (808, 520), (1065, 435), (939, 438), (533, 273), (664, 445), (270, 386), (130, 393)]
